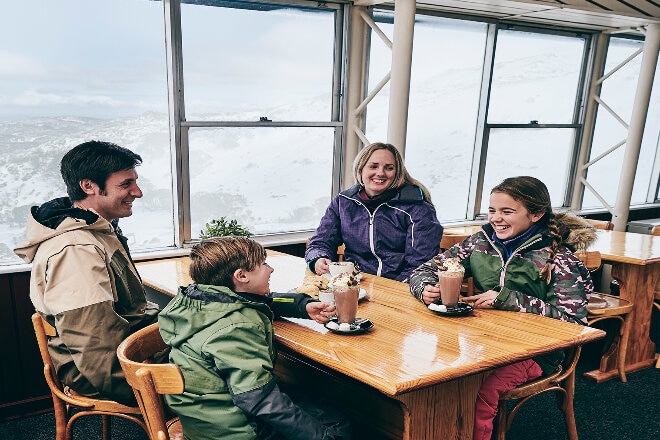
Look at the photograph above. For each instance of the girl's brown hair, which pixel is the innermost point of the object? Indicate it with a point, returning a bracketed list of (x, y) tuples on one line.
[(213, 261), (533, 193), (400, 178)]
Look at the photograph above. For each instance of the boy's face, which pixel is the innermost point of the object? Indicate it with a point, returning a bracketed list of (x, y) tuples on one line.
[(259, 279)]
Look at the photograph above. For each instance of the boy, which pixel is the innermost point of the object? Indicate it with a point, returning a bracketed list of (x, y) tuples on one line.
[(221, 333)]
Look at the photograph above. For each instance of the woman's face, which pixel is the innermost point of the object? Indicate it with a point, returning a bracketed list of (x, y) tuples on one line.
[(379, 172), (508, 216)]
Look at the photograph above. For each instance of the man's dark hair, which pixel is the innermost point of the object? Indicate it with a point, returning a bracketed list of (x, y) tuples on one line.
[(94, 160)]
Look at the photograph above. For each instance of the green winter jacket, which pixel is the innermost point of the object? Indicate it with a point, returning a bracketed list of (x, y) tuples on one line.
[(223, 342)]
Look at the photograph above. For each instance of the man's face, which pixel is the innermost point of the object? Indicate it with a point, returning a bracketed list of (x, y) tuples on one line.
[(116, 201)]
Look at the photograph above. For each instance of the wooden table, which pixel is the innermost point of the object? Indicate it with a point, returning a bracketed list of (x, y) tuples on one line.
[(415, 375), (635, 260)]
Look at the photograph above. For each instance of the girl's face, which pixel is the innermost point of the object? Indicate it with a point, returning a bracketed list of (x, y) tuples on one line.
[(379, 172), (509, 217)]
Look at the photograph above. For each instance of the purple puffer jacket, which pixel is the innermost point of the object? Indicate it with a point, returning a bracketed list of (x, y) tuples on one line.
[(397, 237)]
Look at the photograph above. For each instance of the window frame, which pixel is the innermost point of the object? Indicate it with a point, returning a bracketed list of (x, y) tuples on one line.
[(180, 126)]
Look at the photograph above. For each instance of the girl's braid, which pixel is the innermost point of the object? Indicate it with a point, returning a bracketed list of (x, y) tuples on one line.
[(555, 233)]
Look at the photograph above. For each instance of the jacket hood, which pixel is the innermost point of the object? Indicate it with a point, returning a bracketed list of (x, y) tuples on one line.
[(54, 218), (405, 193), (578, 233)]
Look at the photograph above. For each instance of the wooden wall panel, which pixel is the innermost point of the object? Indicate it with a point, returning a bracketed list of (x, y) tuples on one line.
[(23, 389)]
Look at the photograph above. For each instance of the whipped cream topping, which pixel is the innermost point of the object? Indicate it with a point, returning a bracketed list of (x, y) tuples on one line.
[(344, 280), (452, 265)]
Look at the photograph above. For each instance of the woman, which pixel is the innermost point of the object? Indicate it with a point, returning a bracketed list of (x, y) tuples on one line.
[(386, 220), (523, 261)]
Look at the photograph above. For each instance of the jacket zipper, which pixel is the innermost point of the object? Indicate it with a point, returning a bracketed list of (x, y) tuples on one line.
[(371, 232), (506, 264)]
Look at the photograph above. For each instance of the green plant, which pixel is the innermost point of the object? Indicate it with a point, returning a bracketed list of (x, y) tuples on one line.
[(223, 228)]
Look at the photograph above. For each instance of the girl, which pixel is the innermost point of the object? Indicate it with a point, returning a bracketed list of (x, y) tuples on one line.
[(522, 260)]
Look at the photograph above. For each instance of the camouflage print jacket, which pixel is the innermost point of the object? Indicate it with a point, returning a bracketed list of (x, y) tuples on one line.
[(517, 279)]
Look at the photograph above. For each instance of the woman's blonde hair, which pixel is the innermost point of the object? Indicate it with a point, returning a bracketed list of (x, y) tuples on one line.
[(213, 261), (400, 178), (533, 193)]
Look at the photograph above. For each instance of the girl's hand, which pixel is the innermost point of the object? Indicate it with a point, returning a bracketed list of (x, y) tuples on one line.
[(320, 312), (322, 266), (482, 300), (431, 293)]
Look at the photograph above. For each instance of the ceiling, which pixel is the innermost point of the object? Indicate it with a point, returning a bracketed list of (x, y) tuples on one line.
[(587, 14)]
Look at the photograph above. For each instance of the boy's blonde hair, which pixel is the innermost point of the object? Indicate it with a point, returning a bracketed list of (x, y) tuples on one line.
[(213, 261)]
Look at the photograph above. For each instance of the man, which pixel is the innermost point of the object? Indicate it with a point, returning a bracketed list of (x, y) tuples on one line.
[(83, 280)]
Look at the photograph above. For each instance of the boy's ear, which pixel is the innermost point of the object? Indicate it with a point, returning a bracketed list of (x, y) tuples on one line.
[(240, 278)]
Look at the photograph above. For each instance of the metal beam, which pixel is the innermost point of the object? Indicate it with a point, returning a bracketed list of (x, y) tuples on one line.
[(402, 47), (355, 87), (637, 123)]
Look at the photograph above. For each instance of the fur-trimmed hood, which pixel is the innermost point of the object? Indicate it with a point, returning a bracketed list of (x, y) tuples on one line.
[(578, 233)]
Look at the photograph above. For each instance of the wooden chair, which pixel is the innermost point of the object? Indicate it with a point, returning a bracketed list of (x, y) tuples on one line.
[(151, 380), (65, 400), (562, 381), (656, 301), (601, 224), (603, 306), (340, 250)]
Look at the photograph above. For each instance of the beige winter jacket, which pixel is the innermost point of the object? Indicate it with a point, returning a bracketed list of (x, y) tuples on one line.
[(85, 284)]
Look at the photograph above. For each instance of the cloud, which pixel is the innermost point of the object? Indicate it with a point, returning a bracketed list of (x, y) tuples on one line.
[(18, 65), (35, 98)]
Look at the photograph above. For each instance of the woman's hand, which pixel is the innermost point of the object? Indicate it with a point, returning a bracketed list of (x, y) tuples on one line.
[(431, 293), (320, 312), (485, 299), (322, 266)]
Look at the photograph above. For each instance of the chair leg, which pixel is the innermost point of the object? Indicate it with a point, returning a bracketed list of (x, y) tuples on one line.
[(61, 416), (106, 425), (623, 347), (569, 413), (501, 421)]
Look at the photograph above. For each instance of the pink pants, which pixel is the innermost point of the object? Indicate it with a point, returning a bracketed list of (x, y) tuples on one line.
[(497, 383)]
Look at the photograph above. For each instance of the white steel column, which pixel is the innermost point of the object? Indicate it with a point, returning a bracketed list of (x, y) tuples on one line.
[(355, 86), (402, 46), (636, 129)]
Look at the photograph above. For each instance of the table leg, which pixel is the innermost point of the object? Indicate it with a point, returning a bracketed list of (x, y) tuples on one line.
[(441, 411), (637, 284)]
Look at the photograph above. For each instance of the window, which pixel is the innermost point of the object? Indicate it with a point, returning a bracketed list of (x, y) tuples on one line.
[(618, 92), (270, 180), (444, 100), (72, 71), (244, 62), (532, 120)]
